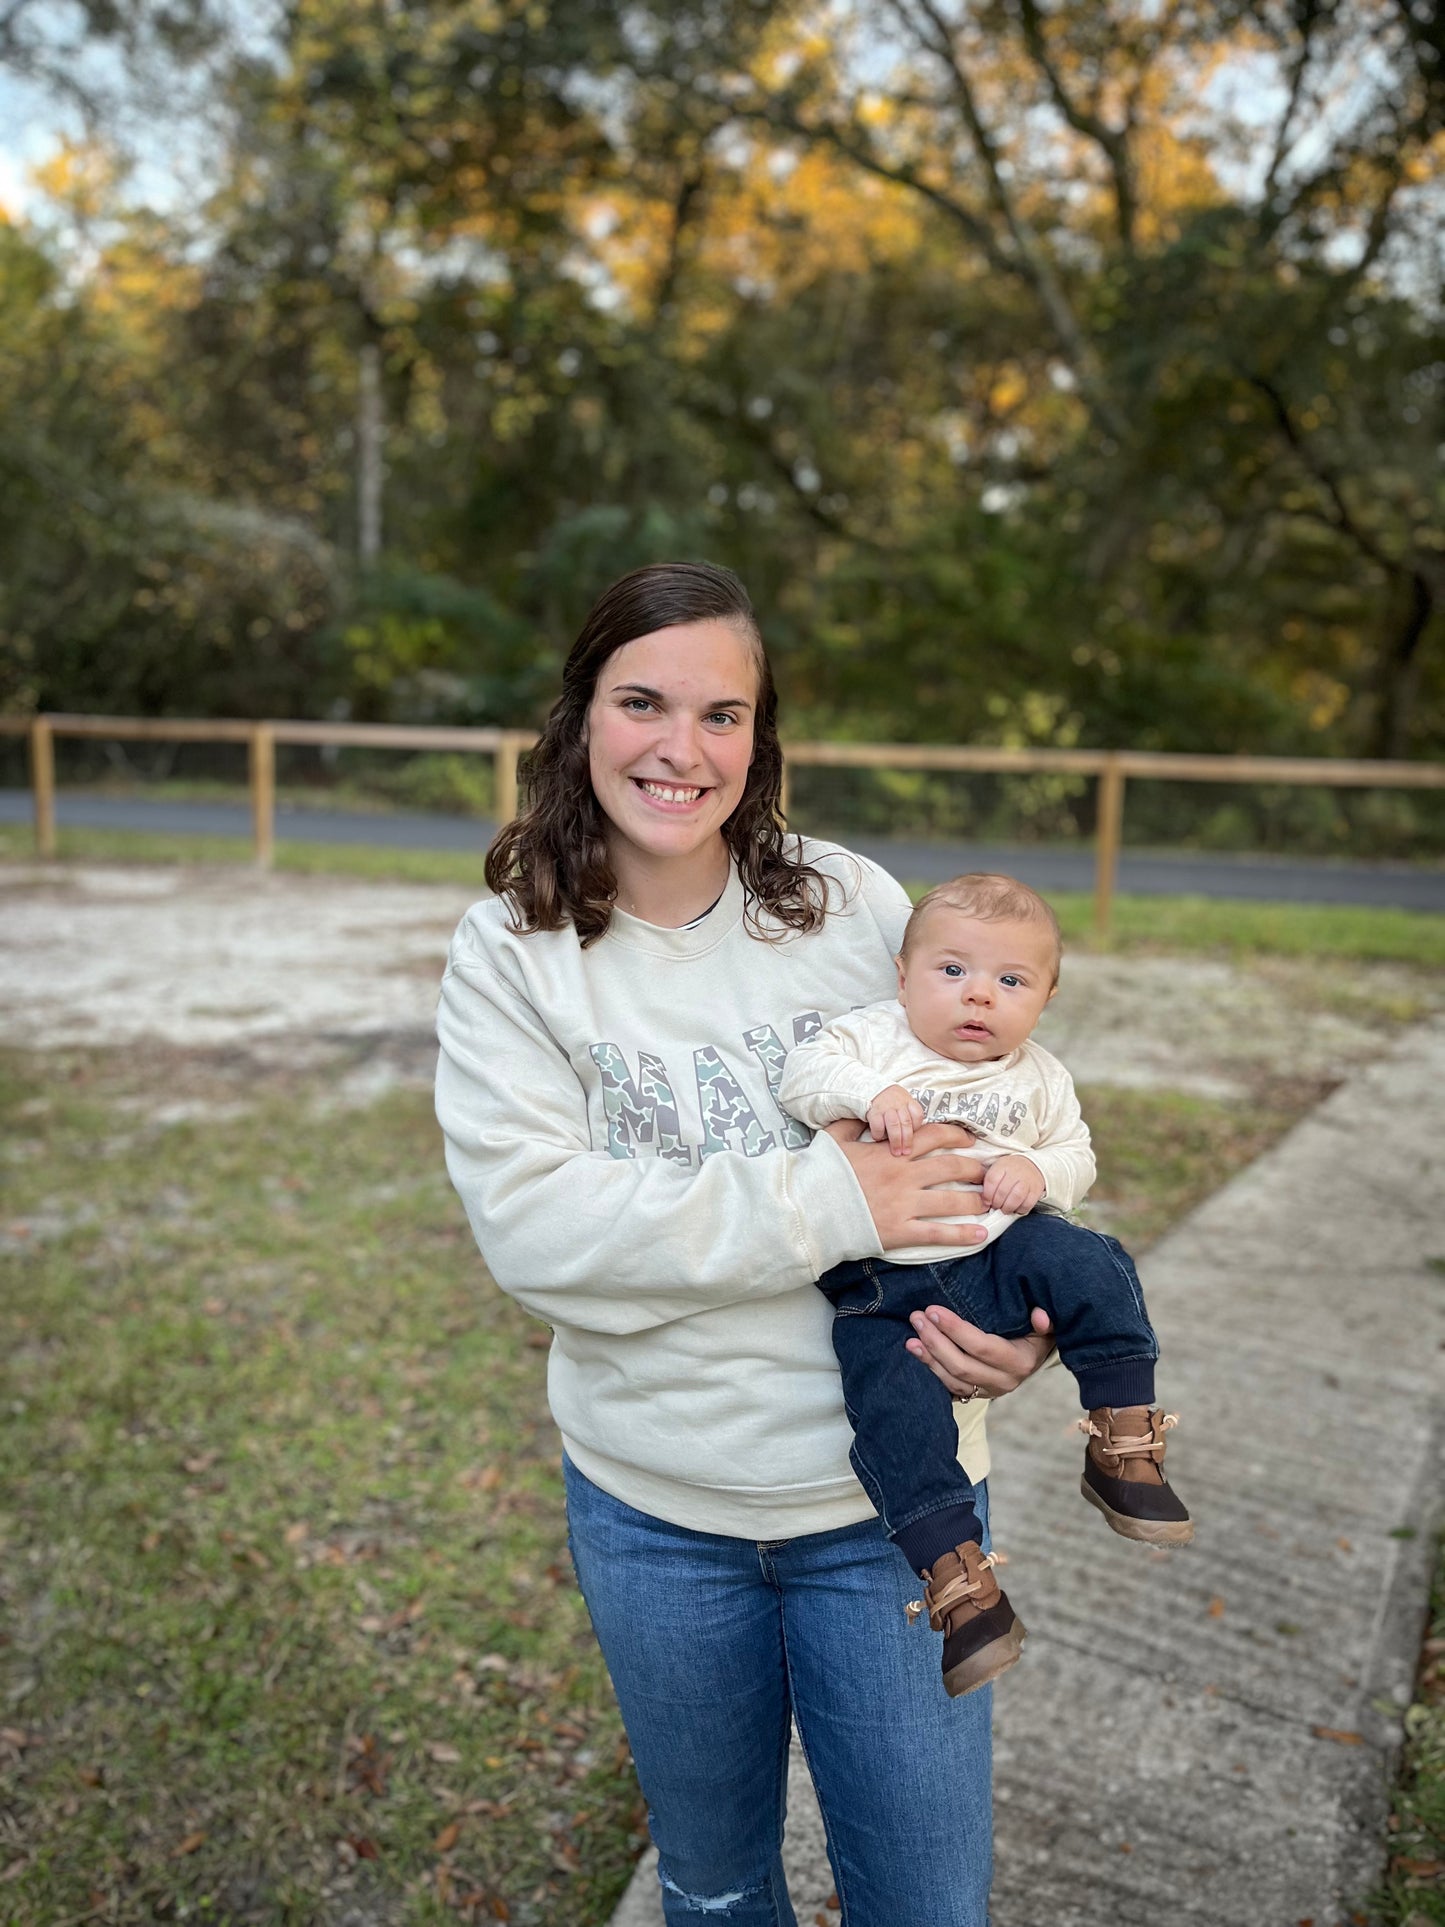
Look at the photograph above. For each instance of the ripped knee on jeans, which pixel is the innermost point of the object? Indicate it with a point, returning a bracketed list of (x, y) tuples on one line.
[(716, 1906)]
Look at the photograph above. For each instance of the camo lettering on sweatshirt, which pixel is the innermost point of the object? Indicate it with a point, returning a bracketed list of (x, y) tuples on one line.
[(978, 1108), (991, 1111), (726, 1112), (766, 1045), (640, 1111)]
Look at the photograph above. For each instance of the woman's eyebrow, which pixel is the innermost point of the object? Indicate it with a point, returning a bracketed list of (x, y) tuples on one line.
[(656, 696)]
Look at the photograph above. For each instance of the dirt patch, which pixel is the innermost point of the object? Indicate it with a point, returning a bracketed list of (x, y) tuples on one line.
[(1217, 1028), (212, 980), (201, 957)]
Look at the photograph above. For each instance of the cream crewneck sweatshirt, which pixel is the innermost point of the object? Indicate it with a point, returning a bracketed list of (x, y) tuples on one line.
[(612, 1127)]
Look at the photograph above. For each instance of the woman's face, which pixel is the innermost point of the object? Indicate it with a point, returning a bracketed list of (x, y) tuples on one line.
[(670, 737)]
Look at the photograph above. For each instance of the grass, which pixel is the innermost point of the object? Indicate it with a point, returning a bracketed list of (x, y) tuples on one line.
[(1413, 1892), (291, 1628), (1162, 1152), (282, 1556), (1240, 928), (368, 861), (1182, 925)]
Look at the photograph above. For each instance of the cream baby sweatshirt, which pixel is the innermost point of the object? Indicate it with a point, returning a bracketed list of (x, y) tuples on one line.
[(613, 1129), (1024, 1102)]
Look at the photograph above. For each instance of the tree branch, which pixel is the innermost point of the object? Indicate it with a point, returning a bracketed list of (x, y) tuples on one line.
[(1308, 15), (1032, 261), (684, 210), (856, 147), (1113, 140), (1342, 520), (1426, 33)]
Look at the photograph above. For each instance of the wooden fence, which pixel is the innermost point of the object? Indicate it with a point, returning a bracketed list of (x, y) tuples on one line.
[(1111, 768)]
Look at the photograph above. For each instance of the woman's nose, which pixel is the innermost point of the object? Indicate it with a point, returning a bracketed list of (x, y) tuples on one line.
[(679, 743)]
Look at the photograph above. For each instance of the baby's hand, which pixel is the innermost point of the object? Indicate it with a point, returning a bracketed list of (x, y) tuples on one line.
[(1012, 1184), (895, 1115)]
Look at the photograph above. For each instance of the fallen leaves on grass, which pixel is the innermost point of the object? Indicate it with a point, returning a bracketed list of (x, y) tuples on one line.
[(189, 1844), (1216, 1607), (1340, 1735), (448, 1837), (367, 1768), (480, 1478)]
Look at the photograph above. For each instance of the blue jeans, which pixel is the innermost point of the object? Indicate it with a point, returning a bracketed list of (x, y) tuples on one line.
[(905, 1438), (714, 1644)]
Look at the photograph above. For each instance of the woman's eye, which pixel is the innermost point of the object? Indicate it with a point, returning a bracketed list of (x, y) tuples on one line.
[(724, 716), (636, 703)]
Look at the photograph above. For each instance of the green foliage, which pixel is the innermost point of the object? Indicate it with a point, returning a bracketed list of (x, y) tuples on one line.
[(1127, 444), (1413, 1890)]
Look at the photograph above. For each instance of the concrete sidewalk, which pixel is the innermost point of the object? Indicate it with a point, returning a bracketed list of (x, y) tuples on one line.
[(1210, 1736)]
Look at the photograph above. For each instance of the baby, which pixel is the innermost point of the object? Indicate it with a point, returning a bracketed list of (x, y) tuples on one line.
[(979, 962)]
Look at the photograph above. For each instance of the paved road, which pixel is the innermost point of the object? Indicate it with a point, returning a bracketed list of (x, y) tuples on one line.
[(1142, 873), (1206, 1737)]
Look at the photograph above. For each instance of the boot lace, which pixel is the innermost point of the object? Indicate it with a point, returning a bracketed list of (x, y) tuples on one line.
[(958, 1588), (1130, 1448)]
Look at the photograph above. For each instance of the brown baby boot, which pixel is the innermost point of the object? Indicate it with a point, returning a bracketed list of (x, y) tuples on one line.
[(1124, 1474), (981, 1636)]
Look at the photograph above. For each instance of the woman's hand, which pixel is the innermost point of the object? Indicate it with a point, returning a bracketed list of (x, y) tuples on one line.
[(911, 1197), (974, 1363)]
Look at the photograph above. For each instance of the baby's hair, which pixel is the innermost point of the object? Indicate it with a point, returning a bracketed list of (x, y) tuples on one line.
[(993, 899)]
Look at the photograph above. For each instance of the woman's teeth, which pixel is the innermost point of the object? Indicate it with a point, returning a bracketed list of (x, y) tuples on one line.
[(665, 793)]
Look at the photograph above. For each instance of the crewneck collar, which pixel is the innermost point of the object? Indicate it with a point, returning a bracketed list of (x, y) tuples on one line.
[(693, 940)]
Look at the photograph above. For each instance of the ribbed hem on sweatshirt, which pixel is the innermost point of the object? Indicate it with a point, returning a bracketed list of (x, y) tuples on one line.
[(790, 1513)]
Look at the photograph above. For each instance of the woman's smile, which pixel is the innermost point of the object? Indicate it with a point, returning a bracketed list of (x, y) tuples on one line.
[(669, 796)]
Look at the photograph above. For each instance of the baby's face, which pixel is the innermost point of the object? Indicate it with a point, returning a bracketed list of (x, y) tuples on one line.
[(974, 990)]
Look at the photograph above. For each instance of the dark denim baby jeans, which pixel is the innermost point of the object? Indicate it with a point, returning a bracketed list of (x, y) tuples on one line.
[(905, 1439)]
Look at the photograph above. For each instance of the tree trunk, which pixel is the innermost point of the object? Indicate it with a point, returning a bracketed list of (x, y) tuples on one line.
[(1400, 670), (370, 433)]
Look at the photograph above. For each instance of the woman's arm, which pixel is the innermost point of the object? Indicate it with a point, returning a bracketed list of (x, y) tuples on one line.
[(620, 1244)]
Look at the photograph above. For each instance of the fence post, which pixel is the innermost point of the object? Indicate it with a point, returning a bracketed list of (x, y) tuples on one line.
[(263, 793), (505, 785), (42, 782), (1109, 834)]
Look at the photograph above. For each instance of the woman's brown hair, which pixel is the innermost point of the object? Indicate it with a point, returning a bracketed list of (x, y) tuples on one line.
[(551, 862)]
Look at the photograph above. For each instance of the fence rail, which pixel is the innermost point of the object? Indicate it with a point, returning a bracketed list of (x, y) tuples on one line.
[(1111, 768)]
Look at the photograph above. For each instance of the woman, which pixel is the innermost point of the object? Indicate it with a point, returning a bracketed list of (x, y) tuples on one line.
[(613, 1027)]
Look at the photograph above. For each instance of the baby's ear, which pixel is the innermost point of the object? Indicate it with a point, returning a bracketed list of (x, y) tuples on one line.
[(898, 961)]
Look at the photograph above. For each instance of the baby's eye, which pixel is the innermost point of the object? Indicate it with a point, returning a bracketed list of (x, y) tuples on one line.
[(953, 970), (1012, 981)]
